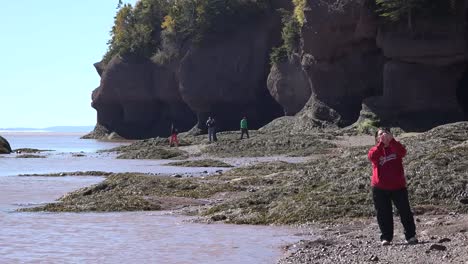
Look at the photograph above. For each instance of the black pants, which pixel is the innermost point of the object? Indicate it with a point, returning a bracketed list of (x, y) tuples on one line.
[(212, 134), (244, 131), (383, 205)]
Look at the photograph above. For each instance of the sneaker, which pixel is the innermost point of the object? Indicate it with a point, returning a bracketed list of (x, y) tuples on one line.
[(385, 242), (412, 241)]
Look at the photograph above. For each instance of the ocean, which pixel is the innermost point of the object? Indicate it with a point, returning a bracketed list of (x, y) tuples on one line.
[(129, 237)]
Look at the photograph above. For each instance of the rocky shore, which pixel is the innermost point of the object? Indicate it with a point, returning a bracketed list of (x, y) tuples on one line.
[(331, 187), (443, 239)]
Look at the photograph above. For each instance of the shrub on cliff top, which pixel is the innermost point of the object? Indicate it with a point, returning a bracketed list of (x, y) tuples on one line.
[(399, 10), (138, 30), (299, 6), (194, 20), (290, 36)]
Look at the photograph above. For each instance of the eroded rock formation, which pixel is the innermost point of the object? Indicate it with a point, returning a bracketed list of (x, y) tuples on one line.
[(224, 76), (350, 65), (290, 85), (339, 56), (422, 74), (414, 77), (227, 78), (139, 99)]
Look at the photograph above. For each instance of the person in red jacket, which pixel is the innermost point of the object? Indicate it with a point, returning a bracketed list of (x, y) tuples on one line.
[(173, 139), (389, 185)]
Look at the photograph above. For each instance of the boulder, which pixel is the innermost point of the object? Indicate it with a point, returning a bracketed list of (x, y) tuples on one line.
[(289, 85), (4, 146), (99, 132)]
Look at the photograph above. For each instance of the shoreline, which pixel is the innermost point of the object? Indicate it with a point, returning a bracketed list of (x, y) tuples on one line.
[(329, 187)]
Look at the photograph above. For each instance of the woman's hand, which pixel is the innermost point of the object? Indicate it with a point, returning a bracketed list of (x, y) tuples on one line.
[(386, 138)]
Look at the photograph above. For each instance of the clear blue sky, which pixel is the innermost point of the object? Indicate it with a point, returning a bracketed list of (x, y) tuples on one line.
[(47, 51)]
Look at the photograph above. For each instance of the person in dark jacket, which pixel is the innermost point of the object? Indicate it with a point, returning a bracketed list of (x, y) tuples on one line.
[(211, 124), (389, 185)]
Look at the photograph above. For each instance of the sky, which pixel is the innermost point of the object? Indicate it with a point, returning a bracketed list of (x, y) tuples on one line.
[(47, 52)]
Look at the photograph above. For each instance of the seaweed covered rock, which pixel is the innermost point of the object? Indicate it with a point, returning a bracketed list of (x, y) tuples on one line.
[(332, 184), (136, 192), (99, 132)]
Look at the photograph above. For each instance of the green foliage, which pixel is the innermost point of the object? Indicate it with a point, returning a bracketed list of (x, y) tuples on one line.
[(136, 30), (218, 16), (198, 18), (161, 27), (290, 35), (399, 10), (299, 6), (368, 126), (194, 20), (169, 48)]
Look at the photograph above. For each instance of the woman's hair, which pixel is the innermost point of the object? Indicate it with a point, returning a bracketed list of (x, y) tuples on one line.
[(376, 136), (384, 129)]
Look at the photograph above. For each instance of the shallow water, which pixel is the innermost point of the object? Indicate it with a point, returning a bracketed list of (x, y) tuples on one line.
[(132, 237), (58, 142), (61, 159)]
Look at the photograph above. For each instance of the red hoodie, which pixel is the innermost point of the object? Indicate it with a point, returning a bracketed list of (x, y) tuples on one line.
[(387, 166)]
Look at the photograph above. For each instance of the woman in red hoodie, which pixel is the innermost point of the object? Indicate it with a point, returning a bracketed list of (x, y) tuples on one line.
[(389, 185)]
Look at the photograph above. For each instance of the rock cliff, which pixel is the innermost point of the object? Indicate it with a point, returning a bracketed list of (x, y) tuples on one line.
[(223, 76), (424, 70), (358, 65), (350, 65), (139, 99)]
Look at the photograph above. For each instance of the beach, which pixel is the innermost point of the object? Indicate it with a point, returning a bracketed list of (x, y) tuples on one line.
[(145, 237)]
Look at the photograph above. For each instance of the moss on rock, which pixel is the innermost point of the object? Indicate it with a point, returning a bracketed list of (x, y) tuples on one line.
[(30, 156), (200, 163)]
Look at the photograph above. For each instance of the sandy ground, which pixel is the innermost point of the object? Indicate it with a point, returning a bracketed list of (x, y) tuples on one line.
[(443, 239)]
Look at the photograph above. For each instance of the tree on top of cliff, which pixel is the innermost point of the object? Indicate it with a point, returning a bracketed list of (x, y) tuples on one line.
[(155, 26), (194, 20), (290, 35), (136, 30), (399, 10)]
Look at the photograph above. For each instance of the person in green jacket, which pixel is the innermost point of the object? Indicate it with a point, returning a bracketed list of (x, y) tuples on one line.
[(244, 127)]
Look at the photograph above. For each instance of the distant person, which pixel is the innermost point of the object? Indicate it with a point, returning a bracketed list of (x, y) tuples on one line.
[(215, 131), (174, 139), (211, 124), (389, 185), (244, 127)]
